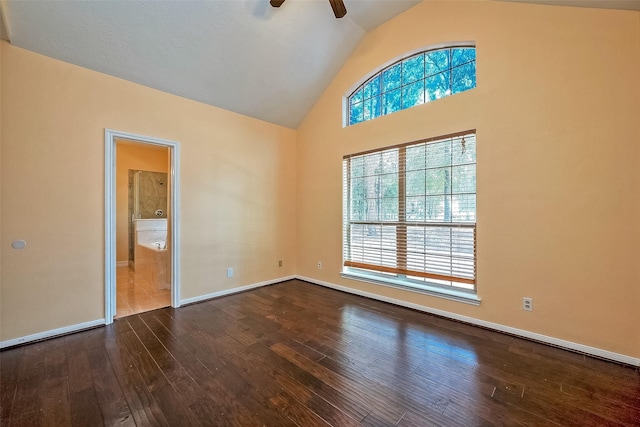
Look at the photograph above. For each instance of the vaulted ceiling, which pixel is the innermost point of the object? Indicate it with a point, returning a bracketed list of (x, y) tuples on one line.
[(240, 55)]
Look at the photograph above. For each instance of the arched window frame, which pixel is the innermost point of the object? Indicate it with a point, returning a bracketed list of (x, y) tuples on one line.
[(400, 89)]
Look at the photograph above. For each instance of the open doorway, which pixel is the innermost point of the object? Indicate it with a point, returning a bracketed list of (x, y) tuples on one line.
[(142, 253), (141, 233)]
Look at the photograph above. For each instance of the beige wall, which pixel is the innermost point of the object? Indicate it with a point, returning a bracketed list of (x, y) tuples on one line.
[(556, 110), (238, 190), (130, 155)]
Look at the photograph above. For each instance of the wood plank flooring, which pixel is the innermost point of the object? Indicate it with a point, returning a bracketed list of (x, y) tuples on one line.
[(297, 354)]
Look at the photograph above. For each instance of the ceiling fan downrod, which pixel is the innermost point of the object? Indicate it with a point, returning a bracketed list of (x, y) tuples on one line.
[(339, 9)]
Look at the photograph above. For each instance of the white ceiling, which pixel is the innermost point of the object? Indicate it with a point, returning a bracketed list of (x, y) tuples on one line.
[(240, 55)]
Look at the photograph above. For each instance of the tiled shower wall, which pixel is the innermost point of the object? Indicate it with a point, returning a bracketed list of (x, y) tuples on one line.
[(153, 197), (153, 193)]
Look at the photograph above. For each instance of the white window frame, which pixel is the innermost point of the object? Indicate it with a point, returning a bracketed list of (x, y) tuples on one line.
[(394, 275), (378, 71)]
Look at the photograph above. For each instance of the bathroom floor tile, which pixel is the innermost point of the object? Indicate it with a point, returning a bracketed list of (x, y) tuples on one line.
[(135, 294)]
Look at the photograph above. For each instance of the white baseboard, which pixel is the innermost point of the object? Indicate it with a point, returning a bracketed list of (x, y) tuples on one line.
[(52, 333), (122, 264), (87, 325), (597, 352), (234, 290)]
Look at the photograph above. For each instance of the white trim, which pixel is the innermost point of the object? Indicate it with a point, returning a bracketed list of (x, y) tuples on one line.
[(383, 66), (234, 290), (405, 55), (52, 333), (109, 225), (100, 322), (426, 288), (110, 137), (122, 264), (605, 354)]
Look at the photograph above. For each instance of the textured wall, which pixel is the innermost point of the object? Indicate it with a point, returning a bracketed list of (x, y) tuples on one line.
[(556, 111), (237, 190)]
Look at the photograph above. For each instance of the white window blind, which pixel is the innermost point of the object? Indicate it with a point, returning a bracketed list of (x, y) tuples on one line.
[(410, 211)]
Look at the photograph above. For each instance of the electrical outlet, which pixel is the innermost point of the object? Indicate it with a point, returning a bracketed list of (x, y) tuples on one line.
[(280, 263), (319, 265), (527, 304), (230, 272)]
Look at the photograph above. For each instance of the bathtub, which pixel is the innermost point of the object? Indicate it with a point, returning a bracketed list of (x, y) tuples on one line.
[(154, 246), (151, 263), (150, 252)]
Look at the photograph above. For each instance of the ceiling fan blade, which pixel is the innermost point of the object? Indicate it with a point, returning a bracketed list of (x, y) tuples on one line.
[(276, 3), (338, 8)]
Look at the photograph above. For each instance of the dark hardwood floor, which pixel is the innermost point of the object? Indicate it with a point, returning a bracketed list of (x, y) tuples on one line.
[(296, 354)]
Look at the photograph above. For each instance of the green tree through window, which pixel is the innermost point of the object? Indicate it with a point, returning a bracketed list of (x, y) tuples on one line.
[(410, 212), (420, 78)]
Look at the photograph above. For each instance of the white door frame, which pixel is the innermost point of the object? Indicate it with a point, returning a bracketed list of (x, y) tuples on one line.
[(110, 137)]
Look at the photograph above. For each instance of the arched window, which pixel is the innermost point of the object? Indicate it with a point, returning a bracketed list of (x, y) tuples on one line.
[(420, 78)]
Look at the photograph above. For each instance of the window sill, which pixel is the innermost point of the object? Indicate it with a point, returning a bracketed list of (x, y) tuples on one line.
[(435, 291)]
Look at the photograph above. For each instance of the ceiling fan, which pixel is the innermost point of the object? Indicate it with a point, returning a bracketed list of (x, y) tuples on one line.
[(337, 5)]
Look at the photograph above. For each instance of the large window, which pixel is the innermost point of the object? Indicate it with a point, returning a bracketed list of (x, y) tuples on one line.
[(410, 214), (415, 80)]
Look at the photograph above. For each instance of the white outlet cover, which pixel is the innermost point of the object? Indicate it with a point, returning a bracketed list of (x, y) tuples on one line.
[(230, 272)]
